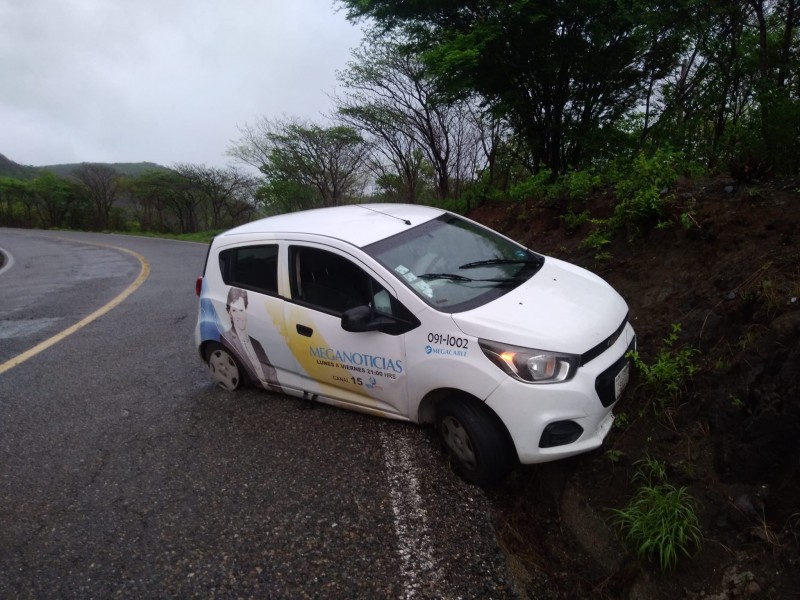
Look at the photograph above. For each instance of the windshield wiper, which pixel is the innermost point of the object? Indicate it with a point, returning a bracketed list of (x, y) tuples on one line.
[(502, 261), (455, 277)]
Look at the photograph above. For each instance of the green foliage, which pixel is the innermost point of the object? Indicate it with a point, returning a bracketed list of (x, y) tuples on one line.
[(561, 74), (573, 185), (278, 195), (573, 221), (643, 192), (659, 520), (688, 221), (329, 160), (599, 237), (736, 402), (577, 185), (643, 187), (536, 186), (671, 369)]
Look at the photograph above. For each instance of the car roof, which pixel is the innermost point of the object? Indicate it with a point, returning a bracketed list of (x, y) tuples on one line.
[(356, 224)]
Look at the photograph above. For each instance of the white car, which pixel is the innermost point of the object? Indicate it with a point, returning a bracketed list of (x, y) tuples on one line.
[(418, 314)]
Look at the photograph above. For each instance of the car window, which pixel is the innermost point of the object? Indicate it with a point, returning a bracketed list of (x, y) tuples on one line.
[(454, 264), (332, 283), (251, 267)]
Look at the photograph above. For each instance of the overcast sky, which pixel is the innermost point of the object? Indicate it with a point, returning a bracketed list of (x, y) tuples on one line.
[(165, 81)]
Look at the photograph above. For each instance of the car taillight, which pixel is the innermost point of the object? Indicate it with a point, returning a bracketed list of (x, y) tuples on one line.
[(198, 285)]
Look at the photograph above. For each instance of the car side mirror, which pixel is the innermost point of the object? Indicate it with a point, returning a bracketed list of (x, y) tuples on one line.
[(363, 318), (360, 318)]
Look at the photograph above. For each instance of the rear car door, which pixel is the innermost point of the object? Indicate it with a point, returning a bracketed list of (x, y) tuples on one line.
[(250, 311)]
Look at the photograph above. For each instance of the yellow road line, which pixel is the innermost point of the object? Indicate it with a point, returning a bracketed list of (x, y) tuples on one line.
[(143, 274)]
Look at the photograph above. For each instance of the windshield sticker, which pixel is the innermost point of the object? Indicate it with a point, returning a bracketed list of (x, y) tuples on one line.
[(418, 284), (423, 288)]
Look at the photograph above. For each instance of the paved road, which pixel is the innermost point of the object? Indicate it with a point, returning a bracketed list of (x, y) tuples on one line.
[(124, 473)]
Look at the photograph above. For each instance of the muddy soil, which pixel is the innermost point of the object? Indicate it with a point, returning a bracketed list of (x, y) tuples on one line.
[(725, 266)]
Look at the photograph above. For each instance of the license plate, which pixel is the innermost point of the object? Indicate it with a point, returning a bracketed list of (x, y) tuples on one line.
[(621, 380)]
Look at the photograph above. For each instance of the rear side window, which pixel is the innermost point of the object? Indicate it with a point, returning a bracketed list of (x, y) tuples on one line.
[(251, 267)]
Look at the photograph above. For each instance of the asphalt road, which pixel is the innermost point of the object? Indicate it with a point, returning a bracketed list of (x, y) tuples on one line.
[(125, 474)]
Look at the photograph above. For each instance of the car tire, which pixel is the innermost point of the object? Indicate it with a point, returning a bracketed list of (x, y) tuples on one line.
[(479, 448), (225, 368)]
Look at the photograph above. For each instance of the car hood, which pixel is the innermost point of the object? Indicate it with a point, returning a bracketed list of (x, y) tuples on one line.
[(563, 308)]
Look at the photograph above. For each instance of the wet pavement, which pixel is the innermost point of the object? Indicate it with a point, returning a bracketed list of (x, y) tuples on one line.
[(125, 474)]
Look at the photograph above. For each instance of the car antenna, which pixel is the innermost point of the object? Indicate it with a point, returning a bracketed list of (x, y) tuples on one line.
[(406, 221)]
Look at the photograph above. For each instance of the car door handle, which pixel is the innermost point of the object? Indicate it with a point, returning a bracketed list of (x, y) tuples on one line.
[(303, 330)]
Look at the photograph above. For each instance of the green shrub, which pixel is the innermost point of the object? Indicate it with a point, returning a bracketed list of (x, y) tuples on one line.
[(660, 519), (577, 185), (643, 188), (643, 192), (671, 369), (535, 186)]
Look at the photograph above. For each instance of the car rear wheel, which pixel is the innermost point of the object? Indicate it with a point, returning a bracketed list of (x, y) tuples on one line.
[(225, 369), (478, 447)]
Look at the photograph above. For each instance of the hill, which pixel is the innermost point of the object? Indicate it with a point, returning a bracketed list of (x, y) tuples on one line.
[(729, 274), (8, 168)]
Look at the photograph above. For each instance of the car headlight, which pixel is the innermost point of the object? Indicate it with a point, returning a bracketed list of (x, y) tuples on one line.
[(530, 365)]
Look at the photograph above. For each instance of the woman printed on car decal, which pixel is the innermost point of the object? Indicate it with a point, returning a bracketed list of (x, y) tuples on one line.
[(249, 350)]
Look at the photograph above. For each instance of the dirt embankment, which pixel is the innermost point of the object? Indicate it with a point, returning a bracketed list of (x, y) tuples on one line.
[(728, 272)]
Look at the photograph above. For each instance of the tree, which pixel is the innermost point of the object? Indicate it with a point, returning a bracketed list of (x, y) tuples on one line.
[(395, 99), (559, 71), (165, 202), (55, 201), (100, 182), (734, 98), (295, 155), (227, 194), (15, 196)]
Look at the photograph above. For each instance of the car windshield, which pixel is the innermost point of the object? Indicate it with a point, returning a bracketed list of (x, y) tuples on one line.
[(454, 264)]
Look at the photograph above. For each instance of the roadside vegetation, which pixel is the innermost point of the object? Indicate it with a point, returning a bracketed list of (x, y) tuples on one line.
[(612, 125), (456, 106), (659, 520)]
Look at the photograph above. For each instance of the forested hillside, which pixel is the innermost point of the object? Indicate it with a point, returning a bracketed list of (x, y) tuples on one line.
[(9, 168), (657, 143)]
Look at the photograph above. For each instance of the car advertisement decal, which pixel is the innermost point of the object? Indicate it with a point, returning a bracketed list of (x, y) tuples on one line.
[(236, 337), (447, 345), (361, 370), (210, 325)]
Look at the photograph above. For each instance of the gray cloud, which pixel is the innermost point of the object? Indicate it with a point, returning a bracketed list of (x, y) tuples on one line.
[(160, 80)]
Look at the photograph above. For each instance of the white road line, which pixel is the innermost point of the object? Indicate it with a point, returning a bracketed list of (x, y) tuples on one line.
[(414, 544)]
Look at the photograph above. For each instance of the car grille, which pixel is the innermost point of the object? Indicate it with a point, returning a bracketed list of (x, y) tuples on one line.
[(604, 384)]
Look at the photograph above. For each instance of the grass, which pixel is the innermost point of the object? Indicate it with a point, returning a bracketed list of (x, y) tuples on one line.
[(659, 521), (204, 237)]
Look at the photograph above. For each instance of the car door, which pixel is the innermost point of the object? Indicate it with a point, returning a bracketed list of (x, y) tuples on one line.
[(362, 370), (251, 314)]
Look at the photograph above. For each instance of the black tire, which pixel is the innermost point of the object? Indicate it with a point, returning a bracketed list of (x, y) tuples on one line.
[(225, 368), (479, 448)]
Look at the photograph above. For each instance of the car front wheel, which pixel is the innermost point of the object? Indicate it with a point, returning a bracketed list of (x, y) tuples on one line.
[(478, 447)]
